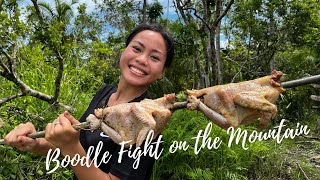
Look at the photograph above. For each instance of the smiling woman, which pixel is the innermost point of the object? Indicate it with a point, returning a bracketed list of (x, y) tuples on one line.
[(149, 51), (142, 62)]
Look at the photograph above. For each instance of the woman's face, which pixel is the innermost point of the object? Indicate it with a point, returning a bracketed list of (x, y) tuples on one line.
[(142, 62)]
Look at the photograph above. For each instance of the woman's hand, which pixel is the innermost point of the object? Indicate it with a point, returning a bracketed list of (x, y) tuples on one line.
[(62, 135), (18, 137)]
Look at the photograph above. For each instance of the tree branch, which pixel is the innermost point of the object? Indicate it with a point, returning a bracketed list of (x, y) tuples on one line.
[(9, 98), (11, 75), (5, 53), (36, 94), (6, 69), (216, 22), (13, 64), (185, 3), (59, 75), (35, 4), (183, 15), (202, 20)]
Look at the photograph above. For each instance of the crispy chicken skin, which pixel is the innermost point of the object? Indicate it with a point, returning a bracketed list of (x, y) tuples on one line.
[(133, 121), (239, 103)]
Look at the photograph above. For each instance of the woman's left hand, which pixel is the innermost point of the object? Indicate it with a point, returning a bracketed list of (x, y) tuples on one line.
[(61, 133)]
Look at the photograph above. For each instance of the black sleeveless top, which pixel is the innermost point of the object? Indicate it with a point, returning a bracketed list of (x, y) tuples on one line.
[(123, 170)]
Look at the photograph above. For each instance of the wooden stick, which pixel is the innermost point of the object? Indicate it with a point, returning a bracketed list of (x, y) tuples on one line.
[(179, 105), (301, 82), (40, 134), (85, 125), (304, 173)]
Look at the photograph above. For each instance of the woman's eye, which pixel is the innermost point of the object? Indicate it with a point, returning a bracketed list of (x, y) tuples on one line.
[(155, 58), (136, 49)]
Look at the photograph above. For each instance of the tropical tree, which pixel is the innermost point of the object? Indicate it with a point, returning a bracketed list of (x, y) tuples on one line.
[(49, 34), (204, 17), (263, 32), (154, 11), (120, 16), (59, 11)]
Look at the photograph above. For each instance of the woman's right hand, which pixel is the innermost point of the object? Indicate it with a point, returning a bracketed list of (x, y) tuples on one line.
[(18, 137)]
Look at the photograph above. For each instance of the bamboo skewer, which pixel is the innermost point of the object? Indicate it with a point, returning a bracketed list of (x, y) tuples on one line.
[(181, 105), (86, 125), (41, 134), (301, 82)]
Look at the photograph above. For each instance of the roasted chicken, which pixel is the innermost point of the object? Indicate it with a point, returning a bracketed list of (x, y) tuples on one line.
[(133, 121), (239, 103)]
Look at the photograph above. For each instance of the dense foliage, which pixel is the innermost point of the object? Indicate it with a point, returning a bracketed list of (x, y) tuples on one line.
[(56, 55)]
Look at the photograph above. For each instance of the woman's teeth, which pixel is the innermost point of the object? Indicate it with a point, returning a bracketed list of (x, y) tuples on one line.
[(137, 70)]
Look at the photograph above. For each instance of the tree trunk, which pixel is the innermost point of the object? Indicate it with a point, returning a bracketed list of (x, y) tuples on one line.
[(209, 62), (218, 73), (209, 42), (199, 79), (212, 59), (219, 70), (197, 74), (36, 7), (144, 11), (273, 50), (202, 18)]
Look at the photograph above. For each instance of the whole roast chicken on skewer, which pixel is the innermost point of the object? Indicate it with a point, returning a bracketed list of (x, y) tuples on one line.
[(239, 103), (133, 121)]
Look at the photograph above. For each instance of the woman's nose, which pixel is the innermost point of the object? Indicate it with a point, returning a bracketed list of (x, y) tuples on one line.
[(142, 59)]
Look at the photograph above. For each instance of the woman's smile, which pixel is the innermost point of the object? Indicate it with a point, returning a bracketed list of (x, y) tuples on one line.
[(137, 71)]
